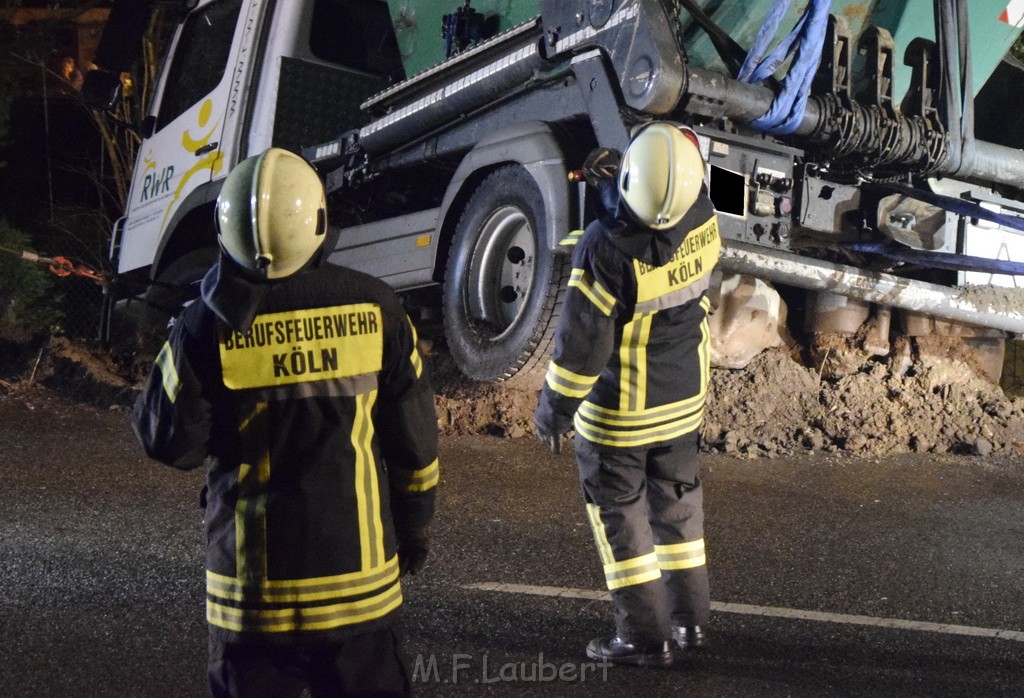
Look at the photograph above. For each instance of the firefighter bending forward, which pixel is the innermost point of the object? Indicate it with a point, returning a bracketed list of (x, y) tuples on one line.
[(301, 386), (629, 373)]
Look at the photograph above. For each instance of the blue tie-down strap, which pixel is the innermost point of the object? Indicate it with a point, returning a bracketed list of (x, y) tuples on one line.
[(937, 260), (807, 38), (961, 207)]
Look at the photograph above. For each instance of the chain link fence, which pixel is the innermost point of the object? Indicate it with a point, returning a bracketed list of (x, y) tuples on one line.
[(80, 302)]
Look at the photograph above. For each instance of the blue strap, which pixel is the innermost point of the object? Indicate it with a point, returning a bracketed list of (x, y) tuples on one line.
[(767, 32), (959, 206), (808, 38), (943, 260), (938, 260)]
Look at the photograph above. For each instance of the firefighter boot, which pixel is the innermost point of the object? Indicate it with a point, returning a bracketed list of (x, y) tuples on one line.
[(688, 638), (618, 651)]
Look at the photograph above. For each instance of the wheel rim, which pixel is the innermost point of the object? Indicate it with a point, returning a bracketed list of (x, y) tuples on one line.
[(501, 270)]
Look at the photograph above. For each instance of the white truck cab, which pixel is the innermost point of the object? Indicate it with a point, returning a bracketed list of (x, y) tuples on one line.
[(242, 75)]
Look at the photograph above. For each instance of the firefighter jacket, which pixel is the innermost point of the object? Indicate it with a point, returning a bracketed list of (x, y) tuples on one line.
[(631, 361), (317, 425)]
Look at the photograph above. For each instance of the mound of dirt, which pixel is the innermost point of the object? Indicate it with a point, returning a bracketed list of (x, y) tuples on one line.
[(78, 371), (775, 406), (911, 402)]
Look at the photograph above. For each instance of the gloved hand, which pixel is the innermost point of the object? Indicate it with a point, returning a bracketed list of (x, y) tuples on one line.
[(551, 439), (413, 548)]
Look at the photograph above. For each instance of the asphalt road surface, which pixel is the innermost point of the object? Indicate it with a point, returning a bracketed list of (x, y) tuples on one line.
[(830, 576)]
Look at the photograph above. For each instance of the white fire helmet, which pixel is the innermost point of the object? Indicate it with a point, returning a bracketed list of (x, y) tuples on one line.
[(272, 214), (661, 174)]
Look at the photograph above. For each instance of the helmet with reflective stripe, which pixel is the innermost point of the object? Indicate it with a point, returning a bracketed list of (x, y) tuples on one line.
[(661, 174), (272, 214)]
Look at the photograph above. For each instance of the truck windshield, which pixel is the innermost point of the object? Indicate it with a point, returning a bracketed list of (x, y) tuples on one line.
[(201, 58)]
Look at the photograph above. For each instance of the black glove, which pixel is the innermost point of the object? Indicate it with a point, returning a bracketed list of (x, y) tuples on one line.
[(551, 439), (413, 548)]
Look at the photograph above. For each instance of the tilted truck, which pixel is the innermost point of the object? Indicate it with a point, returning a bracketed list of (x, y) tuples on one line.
[(451, 137)]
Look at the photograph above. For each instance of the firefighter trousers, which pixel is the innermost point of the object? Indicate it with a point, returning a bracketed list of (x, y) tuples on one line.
[(646, 510), (368, 664)]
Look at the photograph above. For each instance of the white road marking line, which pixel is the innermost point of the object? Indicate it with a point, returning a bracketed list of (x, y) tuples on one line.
[(772, 611)]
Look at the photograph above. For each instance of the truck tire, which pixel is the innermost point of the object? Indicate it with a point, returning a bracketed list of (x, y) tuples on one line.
[(503, 285), (177, 285)]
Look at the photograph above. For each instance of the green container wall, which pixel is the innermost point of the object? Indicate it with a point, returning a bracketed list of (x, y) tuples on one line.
[(990, 37), (418, 25), (742, 19)]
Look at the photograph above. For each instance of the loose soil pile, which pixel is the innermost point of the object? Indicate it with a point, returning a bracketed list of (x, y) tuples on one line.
[(775, 406), (916, 401)]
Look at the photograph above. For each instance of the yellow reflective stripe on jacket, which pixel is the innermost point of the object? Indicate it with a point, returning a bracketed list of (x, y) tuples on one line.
[(300, 346), (424, 479), (565, 382), (633, 362), (371, 527), (637, 570), (676, 298), (681, 556), (704, 354), (168, 372), (629, 438), (325, 617), (297, 591), (334, 387), (638, 418), (572, 238), (251, 507), (593, 290), (415, 358)]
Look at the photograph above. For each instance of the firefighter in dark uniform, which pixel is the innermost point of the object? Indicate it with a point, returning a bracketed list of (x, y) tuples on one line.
[(629, 374), (301, 387)]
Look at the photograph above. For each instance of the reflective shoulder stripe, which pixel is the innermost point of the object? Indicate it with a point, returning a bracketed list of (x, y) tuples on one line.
[(168, 373), (572, 238), (565, 382), (593, 290)]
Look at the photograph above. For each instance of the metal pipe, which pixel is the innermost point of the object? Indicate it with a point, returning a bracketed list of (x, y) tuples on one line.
[(873, 287), (714, 94), (990, 162)]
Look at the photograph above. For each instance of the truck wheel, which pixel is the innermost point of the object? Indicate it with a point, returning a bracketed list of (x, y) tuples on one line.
[(175, 286), (503, 286)]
